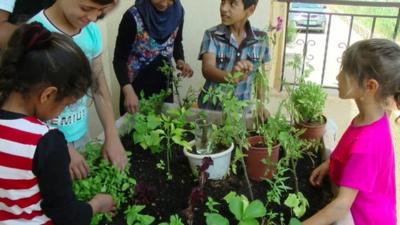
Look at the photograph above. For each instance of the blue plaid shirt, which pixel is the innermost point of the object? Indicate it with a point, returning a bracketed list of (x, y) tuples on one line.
[(219, 41)]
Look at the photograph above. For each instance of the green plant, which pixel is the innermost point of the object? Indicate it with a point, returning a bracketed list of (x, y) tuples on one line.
[(245, 212), (307, 101), (133, 216), (211, 203), (154, 104), (260, 83), (147, 131), (103, 178), (173, 220), (291, 32), (297, 203), (232, 127), (169, 128)]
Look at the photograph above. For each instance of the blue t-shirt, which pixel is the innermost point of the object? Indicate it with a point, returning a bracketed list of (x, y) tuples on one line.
[(73, 121)]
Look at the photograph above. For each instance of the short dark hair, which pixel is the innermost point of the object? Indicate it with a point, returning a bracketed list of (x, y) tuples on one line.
[(248, 3), (103, 2)]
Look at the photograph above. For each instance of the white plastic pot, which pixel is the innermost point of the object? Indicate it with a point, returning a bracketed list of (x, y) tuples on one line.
[(221, 160)]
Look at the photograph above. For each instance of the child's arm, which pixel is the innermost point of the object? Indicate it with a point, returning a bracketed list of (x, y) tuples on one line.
[(179, 55), (335, 210), (211, 72), (112, 148), (51, 167), (126, 36)]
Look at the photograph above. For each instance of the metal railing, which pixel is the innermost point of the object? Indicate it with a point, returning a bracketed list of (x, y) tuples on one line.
[(308, 41)]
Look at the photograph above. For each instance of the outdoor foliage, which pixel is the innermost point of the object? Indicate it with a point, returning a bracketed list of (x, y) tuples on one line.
[(104, 178)]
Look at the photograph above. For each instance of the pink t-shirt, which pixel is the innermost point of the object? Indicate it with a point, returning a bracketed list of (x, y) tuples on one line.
[(364, 160)]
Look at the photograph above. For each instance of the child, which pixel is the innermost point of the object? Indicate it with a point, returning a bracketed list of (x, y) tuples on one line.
[(362, 165), (40, 74), (233, 46), (75, 18), (150, 33)]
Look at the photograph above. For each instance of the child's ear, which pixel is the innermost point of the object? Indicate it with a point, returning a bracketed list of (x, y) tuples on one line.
[(48, 93), (250, 10), (372, 86)]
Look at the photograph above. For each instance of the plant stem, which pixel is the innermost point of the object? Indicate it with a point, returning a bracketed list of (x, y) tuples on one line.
[(169, 153), (245, 174), (242, 160), (296, 180)]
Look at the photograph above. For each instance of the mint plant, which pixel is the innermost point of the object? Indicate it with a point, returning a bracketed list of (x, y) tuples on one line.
[(104, 178)]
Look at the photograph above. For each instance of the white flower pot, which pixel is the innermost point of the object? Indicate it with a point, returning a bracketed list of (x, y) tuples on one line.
[(221, 164)]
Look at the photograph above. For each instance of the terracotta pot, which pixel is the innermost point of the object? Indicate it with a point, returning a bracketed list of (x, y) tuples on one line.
[(256, 169), (312, 131)]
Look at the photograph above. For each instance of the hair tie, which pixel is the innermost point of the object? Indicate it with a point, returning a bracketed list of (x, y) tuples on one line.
[(36, 35)]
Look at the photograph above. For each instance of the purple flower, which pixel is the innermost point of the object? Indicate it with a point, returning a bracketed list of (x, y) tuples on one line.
[(279, 22)]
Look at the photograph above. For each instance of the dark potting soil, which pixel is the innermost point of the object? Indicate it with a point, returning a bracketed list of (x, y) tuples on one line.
[(164, 197)]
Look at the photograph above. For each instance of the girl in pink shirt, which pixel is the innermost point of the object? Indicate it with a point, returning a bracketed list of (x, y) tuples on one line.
[(362, 165)]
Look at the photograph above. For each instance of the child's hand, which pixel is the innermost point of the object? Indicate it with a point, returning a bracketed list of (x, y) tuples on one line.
[(185, 68), (131, 101), (319, 173), (114, 152), (243, 66), (102, 203), (78, 167)]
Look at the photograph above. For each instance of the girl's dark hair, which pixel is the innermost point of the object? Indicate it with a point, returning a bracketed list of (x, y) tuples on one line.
[(35, 57), (248, 3), (103, 2), (377, 59)]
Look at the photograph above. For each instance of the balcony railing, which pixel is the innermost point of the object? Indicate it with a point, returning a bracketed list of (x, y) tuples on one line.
[(323, 50)]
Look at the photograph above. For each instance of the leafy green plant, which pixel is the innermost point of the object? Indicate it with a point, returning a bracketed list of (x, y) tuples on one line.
[(245, 212), (277, 188), (104, 178), (297, 203), (170, 128), (173, 132), (211, 203), (147, 131), (173, 220), (308, 99), (133, 216), (291, 32), (232, 127), (154, 104)]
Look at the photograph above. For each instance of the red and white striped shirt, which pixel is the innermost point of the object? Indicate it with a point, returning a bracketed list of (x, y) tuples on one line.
[(20, 196)]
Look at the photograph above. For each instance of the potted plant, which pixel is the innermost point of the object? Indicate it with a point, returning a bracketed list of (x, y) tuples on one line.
[(307, 103), (222, 136), (263, 151)]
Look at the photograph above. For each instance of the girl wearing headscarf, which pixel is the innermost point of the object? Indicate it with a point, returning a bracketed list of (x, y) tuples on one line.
[(150, 34)]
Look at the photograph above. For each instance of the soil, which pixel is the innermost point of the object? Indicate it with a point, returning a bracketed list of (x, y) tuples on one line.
[(164, 198)]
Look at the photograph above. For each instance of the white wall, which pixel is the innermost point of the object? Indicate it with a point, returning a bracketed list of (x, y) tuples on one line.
[(200, 15)]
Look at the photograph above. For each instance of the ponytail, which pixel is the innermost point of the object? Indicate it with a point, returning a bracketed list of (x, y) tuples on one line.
[(35, 56)]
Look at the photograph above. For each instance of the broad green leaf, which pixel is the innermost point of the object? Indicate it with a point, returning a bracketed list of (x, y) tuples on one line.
[(292, 201), (254, 210), (216, 219), (294, 221), (249, 222)]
